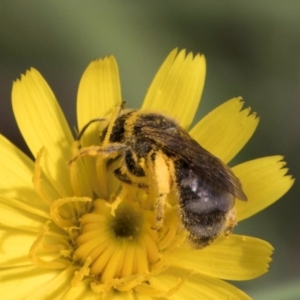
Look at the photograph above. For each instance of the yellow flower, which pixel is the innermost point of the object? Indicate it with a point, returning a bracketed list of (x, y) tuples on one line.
[(70, 232)]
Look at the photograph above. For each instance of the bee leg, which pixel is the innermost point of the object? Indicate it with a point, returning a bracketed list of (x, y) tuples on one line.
[(112, 151), (130, 171), (161, 182), (132, 164), (122, 175)]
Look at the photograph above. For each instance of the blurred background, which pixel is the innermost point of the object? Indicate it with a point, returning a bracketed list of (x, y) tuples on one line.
[(252, 50)]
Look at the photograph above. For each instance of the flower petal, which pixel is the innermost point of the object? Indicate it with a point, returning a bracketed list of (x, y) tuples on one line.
[(99, 90), (204, 287), (43, 124), (16, 177), (55, 287), (235, 258), (16, 172), (264, 181), (197, 286), (18, 215), (84, 291), (23, 282), (12, 254), (177, 87), (226, 129), (99, 93)]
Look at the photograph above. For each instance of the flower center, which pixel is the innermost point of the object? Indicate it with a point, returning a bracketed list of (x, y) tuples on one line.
[(109, 244), (121, 244), (126, 223), (117, 241)]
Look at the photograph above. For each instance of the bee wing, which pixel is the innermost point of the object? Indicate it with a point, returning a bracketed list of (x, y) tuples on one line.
[(178, 143)]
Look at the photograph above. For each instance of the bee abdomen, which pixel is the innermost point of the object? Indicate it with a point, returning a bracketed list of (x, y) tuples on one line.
[(204, 208), (203, 228)]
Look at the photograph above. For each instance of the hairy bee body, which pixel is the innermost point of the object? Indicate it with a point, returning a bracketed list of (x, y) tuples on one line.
[(154, 147)]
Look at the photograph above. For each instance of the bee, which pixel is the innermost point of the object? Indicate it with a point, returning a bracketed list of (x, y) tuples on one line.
[(158, 155)]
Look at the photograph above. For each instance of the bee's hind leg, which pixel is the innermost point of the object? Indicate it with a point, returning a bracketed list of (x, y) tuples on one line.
[(161, 182)]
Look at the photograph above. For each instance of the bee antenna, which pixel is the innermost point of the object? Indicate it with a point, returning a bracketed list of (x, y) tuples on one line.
[(86, 126)]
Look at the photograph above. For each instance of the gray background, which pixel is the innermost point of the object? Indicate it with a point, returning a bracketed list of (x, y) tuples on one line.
[(251, 48)]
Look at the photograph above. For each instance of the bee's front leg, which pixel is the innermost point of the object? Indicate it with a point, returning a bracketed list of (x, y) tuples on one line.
[(110, 151)]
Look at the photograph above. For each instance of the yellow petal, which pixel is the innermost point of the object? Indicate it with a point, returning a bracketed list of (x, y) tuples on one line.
[(16, 172), (99, 90), (43, 124), (16, 177), (17, 214), (115, 295), (204, 287), (197, 286), (235, 258), (177, 87), (12, 254), (54, 288), (22, 282), (226, 129), (82, 291), (264, 181), (99, 93)]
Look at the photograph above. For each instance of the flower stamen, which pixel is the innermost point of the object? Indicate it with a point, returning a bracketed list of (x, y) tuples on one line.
[(81, 273), (40, 247), (68, 220)]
